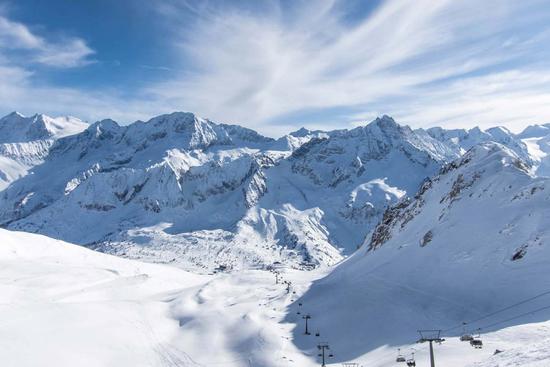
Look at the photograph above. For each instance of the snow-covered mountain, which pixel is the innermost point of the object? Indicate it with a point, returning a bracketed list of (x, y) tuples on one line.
[(537, 140), (185, 189), (462, 140), (471, 242), (16, 128), (179, 188), (25, 141)]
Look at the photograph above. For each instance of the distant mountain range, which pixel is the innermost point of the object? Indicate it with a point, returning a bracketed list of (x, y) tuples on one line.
[(182, 189)]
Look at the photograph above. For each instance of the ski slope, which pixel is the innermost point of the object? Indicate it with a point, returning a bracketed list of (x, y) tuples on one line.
[(64, 305)]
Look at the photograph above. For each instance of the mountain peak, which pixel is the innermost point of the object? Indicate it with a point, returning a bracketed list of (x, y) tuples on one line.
[(301, 132), (385, 125), (178, 118), (106, 126), (535, 131), (385, 122), (184, 129), (37, 127), (14, 114)]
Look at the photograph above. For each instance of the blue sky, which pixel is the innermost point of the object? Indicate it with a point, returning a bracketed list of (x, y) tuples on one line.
[(278, 65)]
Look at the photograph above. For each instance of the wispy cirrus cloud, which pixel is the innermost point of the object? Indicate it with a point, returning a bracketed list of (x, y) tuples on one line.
[(63, 53), (425, 61)]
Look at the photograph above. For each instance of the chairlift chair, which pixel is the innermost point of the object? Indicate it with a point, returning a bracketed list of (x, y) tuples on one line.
[(411, 362), (476, 343), (400, 357), (465, 337)]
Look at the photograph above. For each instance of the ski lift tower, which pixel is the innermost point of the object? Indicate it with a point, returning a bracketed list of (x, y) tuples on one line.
[(323, 347), (430, 336), (307, 317)]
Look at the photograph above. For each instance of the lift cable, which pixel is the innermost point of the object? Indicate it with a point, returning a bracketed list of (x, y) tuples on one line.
[(499, 311), (515, 317)]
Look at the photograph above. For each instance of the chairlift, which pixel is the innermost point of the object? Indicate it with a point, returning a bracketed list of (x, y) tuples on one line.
[(317, 334), (465, 337), (400, 357), (476, 342), (411, 362)]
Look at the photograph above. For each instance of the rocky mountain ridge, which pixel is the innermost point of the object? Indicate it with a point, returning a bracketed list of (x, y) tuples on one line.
[(179, 188)]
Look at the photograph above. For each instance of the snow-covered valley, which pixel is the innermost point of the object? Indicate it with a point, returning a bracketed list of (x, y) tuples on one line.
[(65, 305)]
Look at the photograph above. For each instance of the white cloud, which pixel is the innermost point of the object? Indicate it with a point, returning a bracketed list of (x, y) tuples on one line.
[(257, 68), (67, 52), (514, 98)]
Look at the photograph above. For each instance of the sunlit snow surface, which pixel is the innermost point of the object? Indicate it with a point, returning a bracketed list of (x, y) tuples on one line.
[(64, 305)]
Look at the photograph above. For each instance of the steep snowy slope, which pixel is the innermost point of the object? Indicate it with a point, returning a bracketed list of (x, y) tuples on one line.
[(473, 241), (537, 140), (25, 142), (184, 189)]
